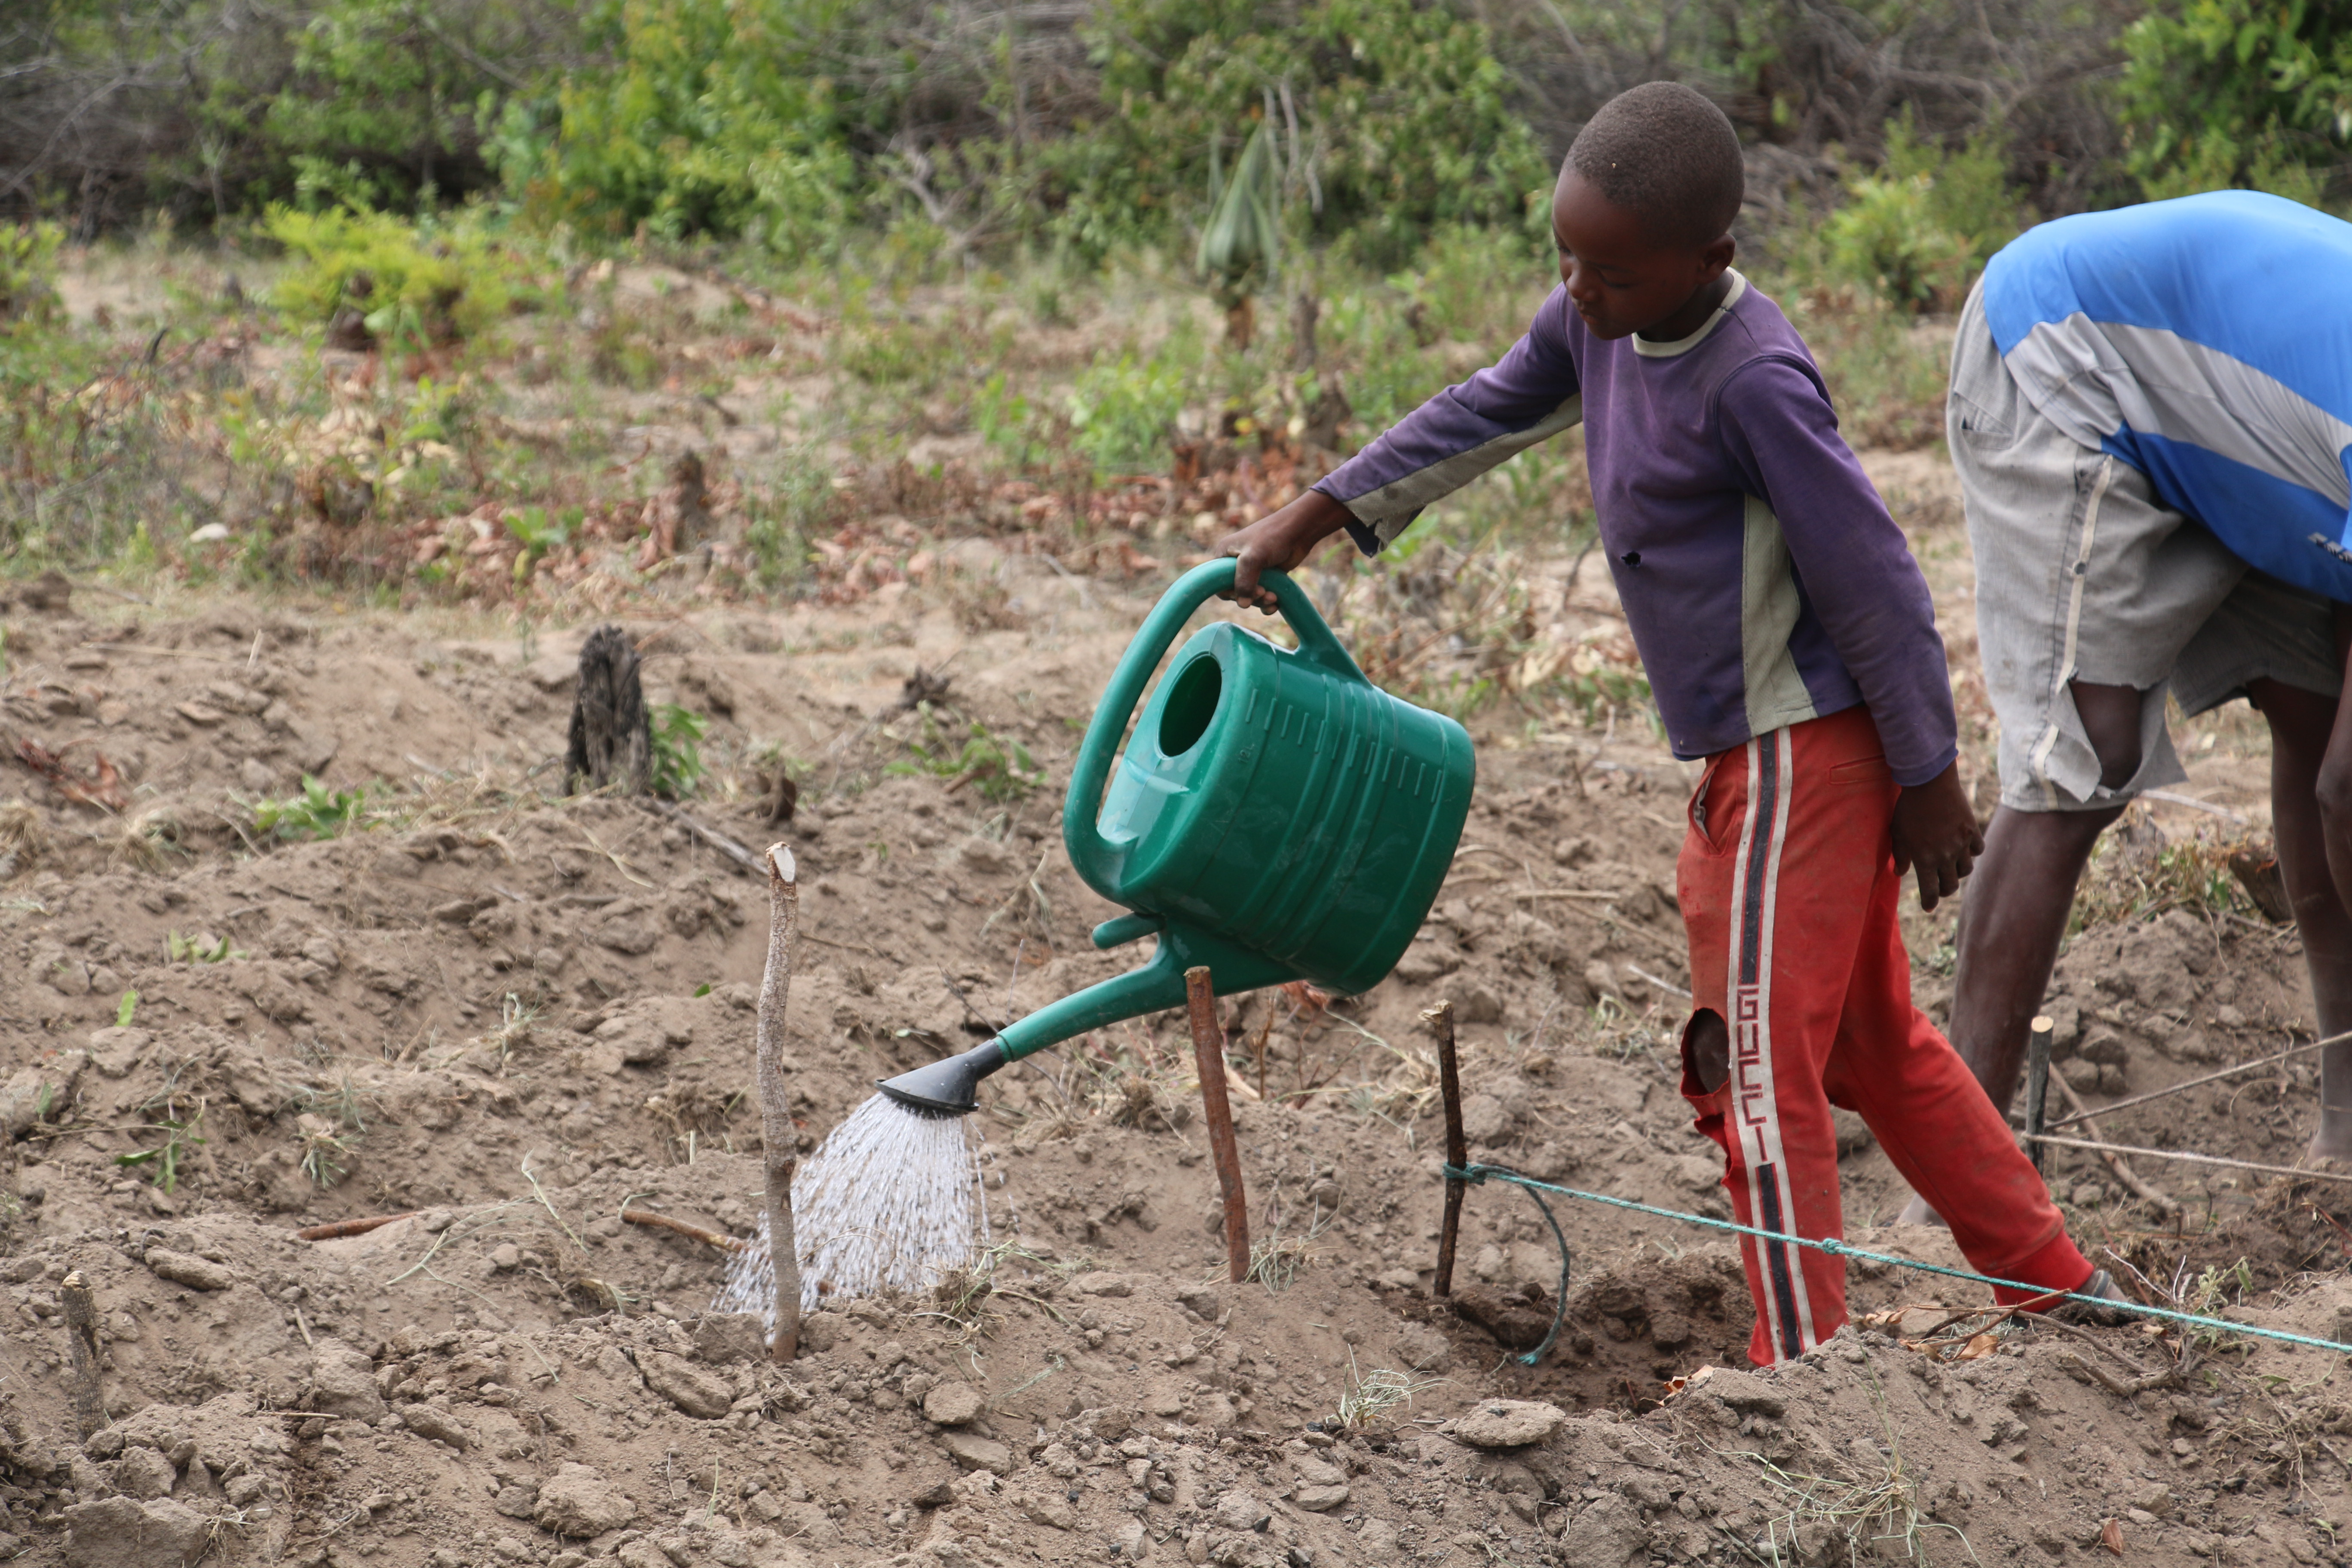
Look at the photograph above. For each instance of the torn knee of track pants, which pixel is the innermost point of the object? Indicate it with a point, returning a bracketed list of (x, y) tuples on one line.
[(1706, 1051)]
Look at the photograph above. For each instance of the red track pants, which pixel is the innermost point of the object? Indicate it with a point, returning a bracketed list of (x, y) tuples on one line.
[(1790, 893)]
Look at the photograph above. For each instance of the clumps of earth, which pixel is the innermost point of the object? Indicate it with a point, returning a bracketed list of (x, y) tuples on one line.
[(507, 1018)]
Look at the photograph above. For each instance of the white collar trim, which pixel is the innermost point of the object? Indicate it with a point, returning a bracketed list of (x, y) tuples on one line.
[(1649, 350)]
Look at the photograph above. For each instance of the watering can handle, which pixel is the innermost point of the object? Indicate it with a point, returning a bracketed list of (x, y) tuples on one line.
[(1151, 643)]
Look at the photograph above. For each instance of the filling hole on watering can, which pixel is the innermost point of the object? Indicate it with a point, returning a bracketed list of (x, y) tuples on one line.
[(1191, 705)]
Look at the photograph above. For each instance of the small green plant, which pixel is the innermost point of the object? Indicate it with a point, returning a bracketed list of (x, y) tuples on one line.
[(2216, 1291), (317, 813), (160, 1164), (1000, 767), (200, 948), (2120, 886), (1123, 411), (539, 532), (677, 767), (1010, 425), (126, 1009)]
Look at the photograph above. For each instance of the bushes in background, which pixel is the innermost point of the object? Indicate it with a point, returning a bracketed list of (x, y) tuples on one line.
[(696, 117), (2239, 92), (1920, 228), (978, 126)]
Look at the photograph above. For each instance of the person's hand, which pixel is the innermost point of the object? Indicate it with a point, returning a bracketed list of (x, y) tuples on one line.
[(1279, 541), (1936, 836)]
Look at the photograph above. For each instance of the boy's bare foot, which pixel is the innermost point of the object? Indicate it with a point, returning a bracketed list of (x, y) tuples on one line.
[(1917, 1212)]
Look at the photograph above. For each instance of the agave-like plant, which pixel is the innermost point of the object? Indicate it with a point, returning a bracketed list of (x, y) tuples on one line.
[(1238, 244)]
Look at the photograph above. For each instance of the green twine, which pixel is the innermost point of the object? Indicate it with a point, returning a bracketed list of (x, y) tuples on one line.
[(1477, 1174)]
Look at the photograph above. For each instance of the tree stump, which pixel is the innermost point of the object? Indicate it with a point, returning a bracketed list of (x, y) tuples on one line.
[(612, 735)]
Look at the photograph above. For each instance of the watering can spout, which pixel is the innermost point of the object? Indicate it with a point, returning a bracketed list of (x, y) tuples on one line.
[(950, 1087)]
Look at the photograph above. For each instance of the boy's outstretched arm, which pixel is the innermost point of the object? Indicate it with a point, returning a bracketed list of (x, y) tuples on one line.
[(1936, 836), (1279, 541), (1528, 394)]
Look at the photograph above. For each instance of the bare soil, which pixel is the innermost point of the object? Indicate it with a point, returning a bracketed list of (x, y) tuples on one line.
[(516, 1013)]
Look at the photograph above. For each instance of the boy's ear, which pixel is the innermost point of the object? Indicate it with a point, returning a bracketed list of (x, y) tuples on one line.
[(1718, 254)]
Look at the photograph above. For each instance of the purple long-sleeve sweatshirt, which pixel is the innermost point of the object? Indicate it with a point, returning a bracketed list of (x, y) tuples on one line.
[(1764, 582)]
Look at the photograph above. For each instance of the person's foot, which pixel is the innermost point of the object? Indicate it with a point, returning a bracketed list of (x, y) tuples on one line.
[(2102, 1287), (1917, 1212), (2332, 1141)]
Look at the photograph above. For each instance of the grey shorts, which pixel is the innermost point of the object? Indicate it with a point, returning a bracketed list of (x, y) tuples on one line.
[(2083, 575)]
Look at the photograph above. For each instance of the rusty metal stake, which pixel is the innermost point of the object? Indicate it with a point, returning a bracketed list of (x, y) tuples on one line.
[(1457, 1147), (1209, 1055)]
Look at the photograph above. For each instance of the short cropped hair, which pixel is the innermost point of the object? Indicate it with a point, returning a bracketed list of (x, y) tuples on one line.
[(1665, 152)]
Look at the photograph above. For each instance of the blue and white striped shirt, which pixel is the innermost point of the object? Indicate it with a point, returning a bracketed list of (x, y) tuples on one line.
[(2208, 343)]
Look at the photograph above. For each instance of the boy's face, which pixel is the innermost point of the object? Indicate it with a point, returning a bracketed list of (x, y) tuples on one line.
[(1620, 277)]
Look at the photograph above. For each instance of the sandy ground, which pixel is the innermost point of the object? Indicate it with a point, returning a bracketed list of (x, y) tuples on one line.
[(516, 1015)]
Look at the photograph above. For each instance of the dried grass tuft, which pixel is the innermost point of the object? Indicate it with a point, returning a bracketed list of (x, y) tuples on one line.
[(24, 837)]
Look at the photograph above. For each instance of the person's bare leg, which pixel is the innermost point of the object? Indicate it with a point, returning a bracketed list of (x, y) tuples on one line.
[(2301, 723), (2013, 910)]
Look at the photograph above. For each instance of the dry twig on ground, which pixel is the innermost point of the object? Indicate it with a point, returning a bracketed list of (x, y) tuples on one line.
[(717, 1238)]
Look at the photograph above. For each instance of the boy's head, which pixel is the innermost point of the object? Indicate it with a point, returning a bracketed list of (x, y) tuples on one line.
[(1644, 205)]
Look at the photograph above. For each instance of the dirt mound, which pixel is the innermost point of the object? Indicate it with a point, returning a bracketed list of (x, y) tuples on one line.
[(508, 1016)]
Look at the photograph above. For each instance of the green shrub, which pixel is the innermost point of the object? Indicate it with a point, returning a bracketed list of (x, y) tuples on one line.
[(707, 116), (387, 100), (28, 271), (2223, 93), (1479, 283), (1886, 236), (1920, 229), (1388, 118), (410, 284)]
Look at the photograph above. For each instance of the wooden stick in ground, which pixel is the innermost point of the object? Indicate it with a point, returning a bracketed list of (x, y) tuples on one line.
[(718, 1239), (2299, 1172), (2123, 1173), (343, 1227), (1209, 1056), (2037, 1087), (2187, 1084), (1457, 1147), (780, 1143), (81, 1334)]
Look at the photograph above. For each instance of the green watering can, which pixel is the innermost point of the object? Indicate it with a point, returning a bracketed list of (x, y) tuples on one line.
[(1277, 817)]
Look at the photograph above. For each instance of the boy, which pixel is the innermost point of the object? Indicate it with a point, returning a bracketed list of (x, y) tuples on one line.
[(1790, 641), (2145, 403)]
